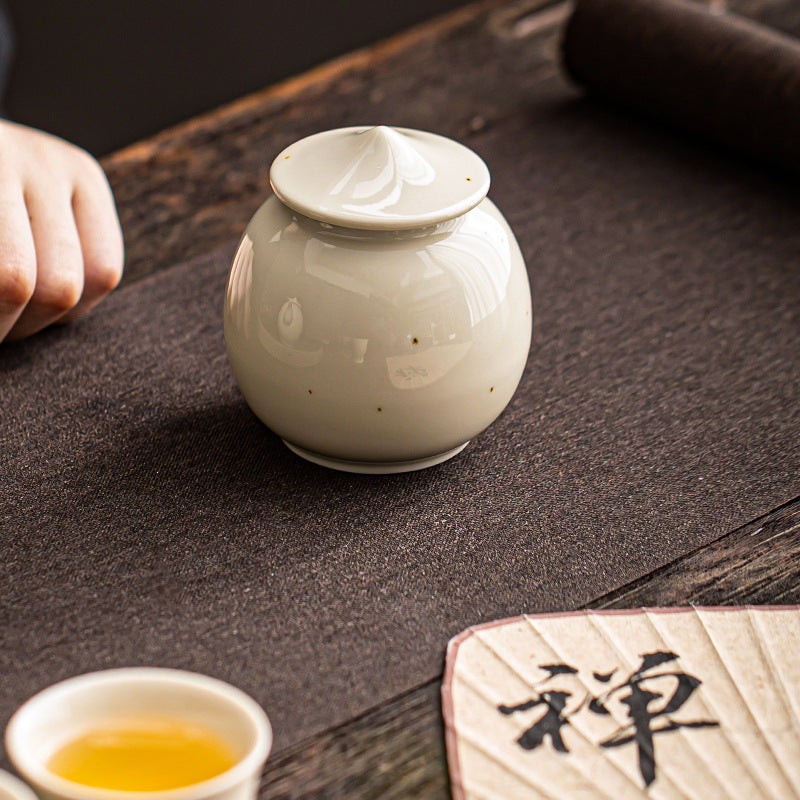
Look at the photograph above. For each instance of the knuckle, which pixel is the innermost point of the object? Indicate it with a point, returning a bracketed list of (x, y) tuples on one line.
[(17, 285), (58, 299), (106, 277), (104, 260), (60, 294)]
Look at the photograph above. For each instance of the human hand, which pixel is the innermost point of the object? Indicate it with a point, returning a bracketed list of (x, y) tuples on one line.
[(61, 245)]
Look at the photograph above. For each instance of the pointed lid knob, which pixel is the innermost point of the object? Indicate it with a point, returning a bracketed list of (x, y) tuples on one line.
[(379, 178)]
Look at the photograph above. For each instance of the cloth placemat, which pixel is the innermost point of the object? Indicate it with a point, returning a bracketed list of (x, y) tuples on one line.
[(147, 517)]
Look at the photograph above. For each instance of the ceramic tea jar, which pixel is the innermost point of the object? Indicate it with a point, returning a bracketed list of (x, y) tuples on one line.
[(378, 312)]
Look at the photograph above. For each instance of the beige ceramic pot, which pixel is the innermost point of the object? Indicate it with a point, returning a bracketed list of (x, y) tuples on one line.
[(378, 312)]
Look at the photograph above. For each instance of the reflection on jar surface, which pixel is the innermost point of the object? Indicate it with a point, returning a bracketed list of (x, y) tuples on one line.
[(377, 346)]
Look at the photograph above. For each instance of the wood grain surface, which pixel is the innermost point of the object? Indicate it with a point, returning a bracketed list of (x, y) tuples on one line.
[(196, 186)]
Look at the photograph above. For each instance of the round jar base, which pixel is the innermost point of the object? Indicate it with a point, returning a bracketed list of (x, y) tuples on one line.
[(374, 467)]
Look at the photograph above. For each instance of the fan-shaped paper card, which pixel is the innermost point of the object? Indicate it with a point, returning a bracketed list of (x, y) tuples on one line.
[(699, 703)]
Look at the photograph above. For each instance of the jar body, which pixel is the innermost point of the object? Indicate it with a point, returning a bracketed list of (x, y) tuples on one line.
[(377, 347)]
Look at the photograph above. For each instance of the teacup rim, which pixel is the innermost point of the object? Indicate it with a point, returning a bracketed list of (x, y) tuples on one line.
[(35, 772), (15, 787)]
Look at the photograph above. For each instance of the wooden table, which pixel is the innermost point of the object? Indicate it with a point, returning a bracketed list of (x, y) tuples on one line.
[(194, 187)]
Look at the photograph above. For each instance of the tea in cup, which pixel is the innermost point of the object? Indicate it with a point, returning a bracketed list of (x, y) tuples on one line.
[(140, 734)]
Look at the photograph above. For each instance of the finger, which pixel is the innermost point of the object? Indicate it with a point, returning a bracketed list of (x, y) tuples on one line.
[(59, 262), (17, 256), (100, 240)]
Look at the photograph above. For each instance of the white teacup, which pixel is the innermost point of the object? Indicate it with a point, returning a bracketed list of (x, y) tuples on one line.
[(13, 789), (62, 712)]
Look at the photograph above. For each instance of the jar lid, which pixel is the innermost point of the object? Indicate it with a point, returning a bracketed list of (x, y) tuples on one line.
[(379, 178)]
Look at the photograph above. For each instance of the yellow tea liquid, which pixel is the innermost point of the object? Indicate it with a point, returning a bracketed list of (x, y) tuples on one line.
[(143, 754)]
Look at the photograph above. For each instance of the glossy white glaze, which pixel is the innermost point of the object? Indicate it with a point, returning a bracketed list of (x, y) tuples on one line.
[(379, 178), (377, 347), (378, 312), (13, 789)]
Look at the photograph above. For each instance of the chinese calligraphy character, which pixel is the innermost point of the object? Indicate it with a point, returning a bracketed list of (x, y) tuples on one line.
[(642, 715), (551, 722), (638, 693)]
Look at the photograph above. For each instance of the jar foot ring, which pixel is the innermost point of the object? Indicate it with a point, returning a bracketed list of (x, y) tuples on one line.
[(374, 467)]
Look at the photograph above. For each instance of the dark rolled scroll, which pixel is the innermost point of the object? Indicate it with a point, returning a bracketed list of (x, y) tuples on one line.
[(713, 73)]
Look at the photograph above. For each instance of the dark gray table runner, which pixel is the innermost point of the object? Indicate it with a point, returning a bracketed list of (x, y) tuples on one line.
[(148, 518)]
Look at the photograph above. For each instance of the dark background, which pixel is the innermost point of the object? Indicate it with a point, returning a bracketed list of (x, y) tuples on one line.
[(104, 74)]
